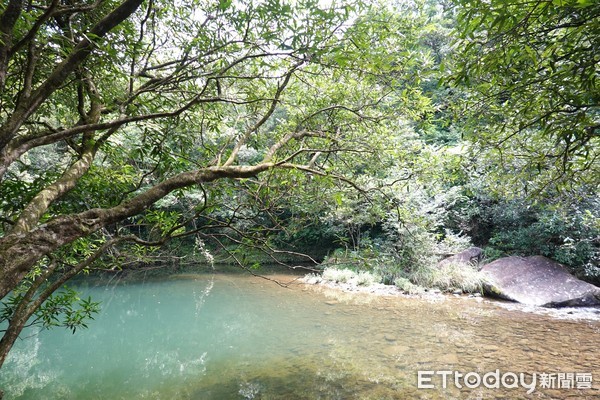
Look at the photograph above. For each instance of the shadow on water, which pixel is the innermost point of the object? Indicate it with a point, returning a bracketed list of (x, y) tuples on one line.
[(294, 380), (222, 336)]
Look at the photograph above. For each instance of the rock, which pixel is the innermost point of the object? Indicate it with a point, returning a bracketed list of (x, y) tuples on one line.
[(457, 291), (471, 256), (538, 281)]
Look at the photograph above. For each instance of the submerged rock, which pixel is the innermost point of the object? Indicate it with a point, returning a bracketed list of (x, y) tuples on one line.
[(471, 256), (538, 281)]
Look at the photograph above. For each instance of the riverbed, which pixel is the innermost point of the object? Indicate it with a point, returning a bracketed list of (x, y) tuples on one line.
[(233, 336)]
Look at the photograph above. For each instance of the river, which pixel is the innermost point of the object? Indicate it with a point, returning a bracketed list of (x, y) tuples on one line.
[(233, 336)]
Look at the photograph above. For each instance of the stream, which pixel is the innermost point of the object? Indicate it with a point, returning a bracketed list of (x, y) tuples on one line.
[(234, 336)]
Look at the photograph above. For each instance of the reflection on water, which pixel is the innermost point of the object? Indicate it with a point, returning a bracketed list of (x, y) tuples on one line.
[(237, 337)]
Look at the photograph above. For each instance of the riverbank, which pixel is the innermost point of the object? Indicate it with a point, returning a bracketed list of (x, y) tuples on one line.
[(339, 291), (366, 282), (377, 289)]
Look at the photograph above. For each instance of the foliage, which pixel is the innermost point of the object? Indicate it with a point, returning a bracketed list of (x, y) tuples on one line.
[(449, 277), (345, 276), (63, 309), (411, 239), (407, 286), (529, 72), (254, 131), (563, 231), (129, 125), (415, 229)]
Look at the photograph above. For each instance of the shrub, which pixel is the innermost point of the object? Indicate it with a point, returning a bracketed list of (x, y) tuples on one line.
[(361, 278), (407, 286), (364, 278), (565, 228), (338, 275), (450, 277), (466, 277)]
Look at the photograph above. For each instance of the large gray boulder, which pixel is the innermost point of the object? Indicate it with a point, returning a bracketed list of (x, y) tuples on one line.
[(538, 281), (470, 256)]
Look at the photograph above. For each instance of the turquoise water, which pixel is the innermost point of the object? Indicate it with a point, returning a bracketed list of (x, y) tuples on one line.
[(240, 337)]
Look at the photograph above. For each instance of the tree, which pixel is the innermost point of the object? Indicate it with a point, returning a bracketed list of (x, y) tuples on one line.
[(530, 71), (107, 108)]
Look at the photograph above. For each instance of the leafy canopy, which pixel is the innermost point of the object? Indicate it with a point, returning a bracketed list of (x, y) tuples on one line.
[(533, 98)]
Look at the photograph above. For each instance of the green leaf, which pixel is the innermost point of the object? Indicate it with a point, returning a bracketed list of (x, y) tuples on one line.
[(338, 198), (224, 4)]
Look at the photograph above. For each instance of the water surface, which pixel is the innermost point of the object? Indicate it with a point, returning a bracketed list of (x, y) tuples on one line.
[(240, 337)]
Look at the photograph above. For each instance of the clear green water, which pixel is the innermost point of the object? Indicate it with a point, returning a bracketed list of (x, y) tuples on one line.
[(238, 337)]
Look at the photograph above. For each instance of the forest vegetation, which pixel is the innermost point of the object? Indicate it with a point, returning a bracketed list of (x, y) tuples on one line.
[(373, 135)]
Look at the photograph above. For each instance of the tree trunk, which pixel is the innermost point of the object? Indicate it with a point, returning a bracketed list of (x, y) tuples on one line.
[(10, 336), (40, 203)]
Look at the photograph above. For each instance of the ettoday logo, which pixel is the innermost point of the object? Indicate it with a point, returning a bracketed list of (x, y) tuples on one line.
[(507, 380)]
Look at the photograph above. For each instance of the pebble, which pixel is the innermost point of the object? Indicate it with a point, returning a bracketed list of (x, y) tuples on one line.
[(449, 358), (490, 347)]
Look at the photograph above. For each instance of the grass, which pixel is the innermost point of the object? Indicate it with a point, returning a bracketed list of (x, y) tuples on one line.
[(407, 286), (348, 276), (450, 277)]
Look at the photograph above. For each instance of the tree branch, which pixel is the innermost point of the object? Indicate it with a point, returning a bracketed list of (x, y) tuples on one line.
[(27, 106), (21, 251), (50, 11), (8, 19), (265, 117)]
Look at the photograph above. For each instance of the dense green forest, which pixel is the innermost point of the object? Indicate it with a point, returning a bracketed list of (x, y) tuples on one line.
[(380, 135)]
